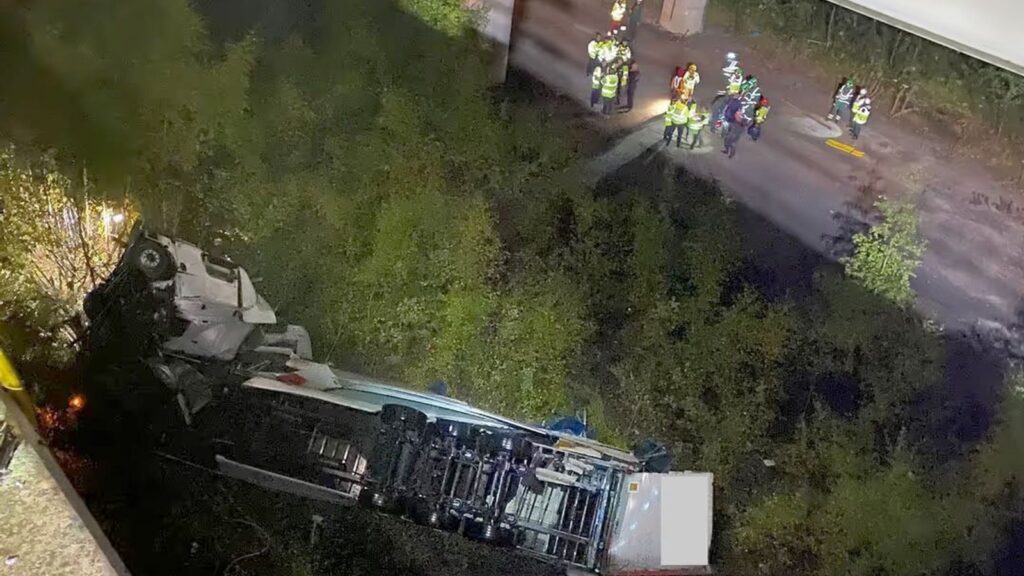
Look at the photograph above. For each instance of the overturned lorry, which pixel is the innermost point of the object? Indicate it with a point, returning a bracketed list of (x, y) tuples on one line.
[(280, 420)]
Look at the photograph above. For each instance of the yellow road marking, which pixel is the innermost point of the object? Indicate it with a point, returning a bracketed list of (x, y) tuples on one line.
[(845, 148)]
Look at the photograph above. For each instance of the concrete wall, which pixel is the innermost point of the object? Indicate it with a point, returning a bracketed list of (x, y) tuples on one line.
[(683, 16), (985, 29), (496, 27)]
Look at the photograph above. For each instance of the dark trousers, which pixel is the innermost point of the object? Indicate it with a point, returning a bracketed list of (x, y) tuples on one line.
[(731, 138), (695, 138), (609, 105), (591, 64), (678, 130), (839, 109), (855, 129), (630, 92), (754, 131), (595, 96)]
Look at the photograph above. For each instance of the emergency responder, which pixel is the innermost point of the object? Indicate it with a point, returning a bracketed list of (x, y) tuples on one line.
[(861, 95), (593, 50), (595, 85), (732, 63), (609, 88), (634, 79), (675, 87), (623, 83), (690, 80), (609, 48), (734, 82), (695, 125), (760, 115), (861, 112), (675, 121), (750, 93), (636, 17), (733, 133), (618, 13), (733, 106), (841, 101), (624, 53), (691, 110)]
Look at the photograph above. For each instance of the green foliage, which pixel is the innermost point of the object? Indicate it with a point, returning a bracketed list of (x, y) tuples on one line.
[(871, 522), (885, 257), (887, 351), (698, 371), (448, 16), (58, 243), (144, 73)]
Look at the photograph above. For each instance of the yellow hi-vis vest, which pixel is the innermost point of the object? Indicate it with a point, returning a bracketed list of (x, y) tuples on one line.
[(595, 78), (761, 114), (592, 49), (734, 83), (618, 10), (690, 80), (625, 75), (677, 114), (609, 85), (696, 122), (861, 113)]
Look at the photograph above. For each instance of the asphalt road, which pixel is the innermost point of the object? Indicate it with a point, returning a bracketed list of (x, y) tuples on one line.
[(973, 268)]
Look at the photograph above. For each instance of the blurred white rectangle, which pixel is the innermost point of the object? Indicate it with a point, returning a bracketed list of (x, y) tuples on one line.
[(686, 503), (986, 29), (662, 522)]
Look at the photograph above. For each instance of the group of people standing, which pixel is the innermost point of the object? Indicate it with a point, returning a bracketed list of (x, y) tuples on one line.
[(684, 117), (612, 71), (739, 109), (844, 103)]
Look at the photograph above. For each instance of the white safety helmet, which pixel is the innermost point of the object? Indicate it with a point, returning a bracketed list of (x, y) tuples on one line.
[(867, 101), (863, 91), (731, 56)]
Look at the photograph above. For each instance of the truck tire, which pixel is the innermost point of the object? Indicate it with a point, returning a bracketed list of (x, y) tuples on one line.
[(153, 260), (409, 419)]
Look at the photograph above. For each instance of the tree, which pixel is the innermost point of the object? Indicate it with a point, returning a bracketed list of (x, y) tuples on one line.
[(59, 243), (885, 257), (1003, 89)]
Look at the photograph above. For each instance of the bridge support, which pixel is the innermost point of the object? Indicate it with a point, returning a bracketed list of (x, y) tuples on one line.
[(683, 16)]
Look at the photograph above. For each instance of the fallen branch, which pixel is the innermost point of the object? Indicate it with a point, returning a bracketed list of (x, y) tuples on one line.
[(904, 111), (266, 544)]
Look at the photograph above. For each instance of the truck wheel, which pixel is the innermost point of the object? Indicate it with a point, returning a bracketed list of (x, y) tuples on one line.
[(153, 260), (411, 419), (489, 533)]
